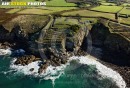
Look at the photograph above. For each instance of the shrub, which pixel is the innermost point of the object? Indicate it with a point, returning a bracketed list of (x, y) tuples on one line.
[(74, 28)]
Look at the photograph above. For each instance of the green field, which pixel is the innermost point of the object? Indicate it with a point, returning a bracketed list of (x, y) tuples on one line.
[(13, 10), (111, 9), (24, 0), (125, 10), (26, 22), (108, 4), (43, 11), (90, 13), (126, 4), (59, 3)]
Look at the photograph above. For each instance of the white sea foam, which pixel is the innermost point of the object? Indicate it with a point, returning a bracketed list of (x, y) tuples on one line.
[(5, 51), (53, 73), (102, 70), (26, 69)]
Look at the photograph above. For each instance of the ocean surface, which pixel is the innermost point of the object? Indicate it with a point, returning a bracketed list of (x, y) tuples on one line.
[(79, 72)]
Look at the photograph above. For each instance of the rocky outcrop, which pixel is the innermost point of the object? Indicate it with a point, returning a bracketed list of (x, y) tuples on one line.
[(25, 60), (116, 49), (55, 57), (117, 43), (3, 34), (74, 40), (6, 45), (14, 35), (43, 66)]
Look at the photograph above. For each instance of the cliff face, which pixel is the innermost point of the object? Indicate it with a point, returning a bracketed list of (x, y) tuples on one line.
[(79, 39), (3, 33), (15, 35), (16, 38), (116, 49), (74, 43)]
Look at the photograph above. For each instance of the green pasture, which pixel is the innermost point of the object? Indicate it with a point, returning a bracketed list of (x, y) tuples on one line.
[(64, 22), (13, 10), (43, 11), (126, 4), (59, 3), (90, 13), (125, 10), (108, 4), (111, 9), (23, 0)]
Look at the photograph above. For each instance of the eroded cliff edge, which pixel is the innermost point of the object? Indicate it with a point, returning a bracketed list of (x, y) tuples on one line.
[(112, 49), (115, 48)]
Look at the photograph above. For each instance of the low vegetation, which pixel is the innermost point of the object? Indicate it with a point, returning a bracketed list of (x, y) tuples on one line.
[(42, 11), (89, 13), (111, 9), (29, 23), (59, 3), (125, 10)]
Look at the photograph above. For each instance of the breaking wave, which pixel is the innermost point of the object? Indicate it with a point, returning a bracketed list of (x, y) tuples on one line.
[(5, 52), (53, 73)]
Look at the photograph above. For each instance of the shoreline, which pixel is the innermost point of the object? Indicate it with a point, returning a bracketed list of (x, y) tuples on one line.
[(123, 71), (102, 69)]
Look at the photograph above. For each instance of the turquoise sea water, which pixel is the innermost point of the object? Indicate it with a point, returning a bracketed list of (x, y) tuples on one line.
[(83, 76)]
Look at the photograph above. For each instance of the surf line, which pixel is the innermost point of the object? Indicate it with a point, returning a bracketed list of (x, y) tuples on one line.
[(51, 73)]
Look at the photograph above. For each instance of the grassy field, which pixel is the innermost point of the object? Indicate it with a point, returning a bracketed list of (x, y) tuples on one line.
[(65, 22), (112, 9), (108, 4), (96, 14), (90, 13), (125, 10), (126, 4), (13, 10), (43, 11), (29, 23), (124, 20), (4, 17), (24, 0), (34, 11), (59, 3)]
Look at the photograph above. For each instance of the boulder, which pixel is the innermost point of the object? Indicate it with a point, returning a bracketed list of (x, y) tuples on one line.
[(43, 67), (31, 69), (25, 60)]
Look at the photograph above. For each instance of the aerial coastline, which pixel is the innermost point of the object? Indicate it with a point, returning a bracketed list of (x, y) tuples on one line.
[(43, 40)]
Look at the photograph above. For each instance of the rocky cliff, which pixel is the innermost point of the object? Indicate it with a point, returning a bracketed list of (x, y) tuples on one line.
[(16, 34), (116, 49)]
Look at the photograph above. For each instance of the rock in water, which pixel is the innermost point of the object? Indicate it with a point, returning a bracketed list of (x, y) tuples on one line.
[(25, 60)]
